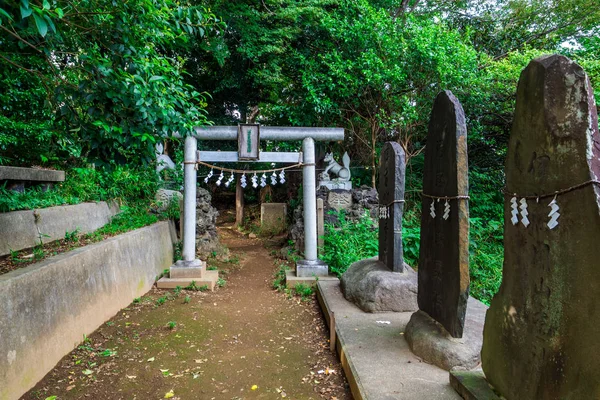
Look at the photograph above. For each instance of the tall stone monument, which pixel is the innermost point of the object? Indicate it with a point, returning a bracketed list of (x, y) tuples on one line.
[(444, 252), (391, 200), (385, 283), (542, 331)]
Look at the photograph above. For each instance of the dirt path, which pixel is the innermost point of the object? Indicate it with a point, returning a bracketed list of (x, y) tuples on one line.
[(243, 341)]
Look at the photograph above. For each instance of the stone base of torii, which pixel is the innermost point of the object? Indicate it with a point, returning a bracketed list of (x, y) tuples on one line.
[(190, 269)]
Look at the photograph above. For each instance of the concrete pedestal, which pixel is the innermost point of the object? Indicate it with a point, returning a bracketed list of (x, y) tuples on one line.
[(183, 273), (308, 268)]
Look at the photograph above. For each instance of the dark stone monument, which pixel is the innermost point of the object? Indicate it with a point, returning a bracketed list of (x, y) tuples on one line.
[(444, 252), (442, 332), (391, 199), (385, 283), (542, 330)]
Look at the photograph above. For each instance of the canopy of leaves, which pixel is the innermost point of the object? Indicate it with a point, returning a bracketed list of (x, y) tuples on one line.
[(107, 75)]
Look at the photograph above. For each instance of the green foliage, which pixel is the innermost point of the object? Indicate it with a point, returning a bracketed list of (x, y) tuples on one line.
[(304, 291), (347, 242), (123, 184), (194, 286), (221, 282), (279, 277), (110, 92), (187, 299), (72, 237), (171, 325)]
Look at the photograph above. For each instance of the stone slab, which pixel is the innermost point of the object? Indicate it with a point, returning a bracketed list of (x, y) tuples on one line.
[(31, 174), (46, 308), (19, 229), (291, 279), (429, 340), (210, 279), (336, 185), (444, 250), (375, 357), (542, 330), (392, 166), (374, 288), (273, 217), (471, 385)]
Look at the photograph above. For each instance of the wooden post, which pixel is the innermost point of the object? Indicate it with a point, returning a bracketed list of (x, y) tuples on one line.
[(239, 204), (320, 225)]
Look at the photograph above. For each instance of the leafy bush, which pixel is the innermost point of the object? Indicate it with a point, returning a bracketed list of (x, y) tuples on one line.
[(348, 241), (124, 184)]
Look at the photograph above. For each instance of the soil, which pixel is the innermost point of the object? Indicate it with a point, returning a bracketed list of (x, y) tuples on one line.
[(243, 341)]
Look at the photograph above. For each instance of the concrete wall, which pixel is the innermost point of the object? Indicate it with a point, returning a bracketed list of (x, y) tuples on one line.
[(19, 229), (46, 308)]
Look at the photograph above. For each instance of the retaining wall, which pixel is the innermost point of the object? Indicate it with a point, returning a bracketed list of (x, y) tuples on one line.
[(22, 229), (46, 308)]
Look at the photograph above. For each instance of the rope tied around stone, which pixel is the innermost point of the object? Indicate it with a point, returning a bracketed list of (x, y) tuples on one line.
[(249, 172), (402, 201), (553, 194), (459, 197)]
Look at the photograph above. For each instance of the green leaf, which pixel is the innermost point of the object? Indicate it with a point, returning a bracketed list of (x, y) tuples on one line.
[(42, 26), (156, 78), (59, 13), (46, 5), (26, 11), (51, 398), (7, 15), (50, 23)]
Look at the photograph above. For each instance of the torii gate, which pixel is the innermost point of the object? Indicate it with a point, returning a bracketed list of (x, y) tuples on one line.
[(190, 268)]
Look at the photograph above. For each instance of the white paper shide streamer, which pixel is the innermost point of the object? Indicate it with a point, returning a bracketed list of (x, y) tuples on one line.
[(524, 212), (220, 179), (554, 214), (210, 174), (514, 211)]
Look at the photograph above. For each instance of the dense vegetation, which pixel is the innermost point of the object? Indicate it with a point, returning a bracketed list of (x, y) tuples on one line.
[(100, 82)]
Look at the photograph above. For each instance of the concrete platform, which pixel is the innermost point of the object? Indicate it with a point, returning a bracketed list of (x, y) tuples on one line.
[(375, 356), (292, 280), (210, 279)]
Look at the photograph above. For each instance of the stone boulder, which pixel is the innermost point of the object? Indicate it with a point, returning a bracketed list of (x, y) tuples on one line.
[(374, 288), (207, 240), (429, 340)]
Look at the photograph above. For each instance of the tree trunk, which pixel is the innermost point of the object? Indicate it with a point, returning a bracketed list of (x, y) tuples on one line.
[(239, 203)]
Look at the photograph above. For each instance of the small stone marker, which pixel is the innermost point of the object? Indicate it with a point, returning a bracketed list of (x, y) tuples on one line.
[(444, 252), (391, 205), (542, 330), (273, 217), (340, 199)]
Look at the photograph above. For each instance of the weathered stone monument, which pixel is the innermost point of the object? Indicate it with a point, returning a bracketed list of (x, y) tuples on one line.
[(434, 331), (273, 217), (207, 239), (542, 336), (385, 283)]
